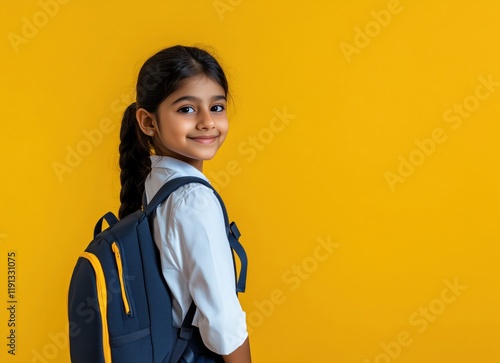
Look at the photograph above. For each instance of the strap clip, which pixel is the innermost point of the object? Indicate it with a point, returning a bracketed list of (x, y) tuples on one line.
[(234, 230)]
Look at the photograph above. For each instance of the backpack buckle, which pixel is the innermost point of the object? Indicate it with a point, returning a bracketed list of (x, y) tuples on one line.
[(234, 230)]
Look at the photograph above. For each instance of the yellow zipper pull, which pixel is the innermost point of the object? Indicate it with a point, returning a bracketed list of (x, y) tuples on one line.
[(116, 251)]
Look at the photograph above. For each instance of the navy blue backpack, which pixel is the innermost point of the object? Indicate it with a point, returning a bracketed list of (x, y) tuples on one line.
[(119, 305)]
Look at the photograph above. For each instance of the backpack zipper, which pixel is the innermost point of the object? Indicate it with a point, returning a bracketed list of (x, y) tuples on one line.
[(102, 298), (119, 263)]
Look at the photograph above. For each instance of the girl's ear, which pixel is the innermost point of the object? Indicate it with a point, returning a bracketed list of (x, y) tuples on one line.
[(146, 120)]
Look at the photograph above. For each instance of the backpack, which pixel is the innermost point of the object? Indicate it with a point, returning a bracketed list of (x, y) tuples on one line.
[(119, 305)]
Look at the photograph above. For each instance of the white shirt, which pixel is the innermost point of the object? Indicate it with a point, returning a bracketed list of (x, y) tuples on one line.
[(196, 259)]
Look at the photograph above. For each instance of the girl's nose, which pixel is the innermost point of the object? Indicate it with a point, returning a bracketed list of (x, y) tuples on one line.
[(205, 121)]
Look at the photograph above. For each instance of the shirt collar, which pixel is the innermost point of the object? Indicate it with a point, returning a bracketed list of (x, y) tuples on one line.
[(177, 166)]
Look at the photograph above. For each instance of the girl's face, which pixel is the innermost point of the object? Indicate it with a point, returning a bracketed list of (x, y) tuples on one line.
[(191, 123)]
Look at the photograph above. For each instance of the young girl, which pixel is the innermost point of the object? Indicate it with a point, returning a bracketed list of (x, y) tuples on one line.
[(179, 121)]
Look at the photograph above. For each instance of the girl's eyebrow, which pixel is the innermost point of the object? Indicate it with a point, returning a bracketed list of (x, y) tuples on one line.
[(197, 99)]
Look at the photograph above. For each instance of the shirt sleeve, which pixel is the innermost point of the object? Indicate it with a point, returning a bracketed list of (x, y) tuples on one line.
[(207, 265)]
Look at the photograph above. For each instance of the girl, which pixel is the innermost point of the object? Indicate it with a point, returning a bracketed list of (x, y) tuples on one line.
[(179, 121)]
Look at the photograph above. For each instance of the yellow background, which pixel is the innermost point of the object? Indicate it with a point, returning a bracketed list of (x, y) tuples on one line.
[(322, 177)]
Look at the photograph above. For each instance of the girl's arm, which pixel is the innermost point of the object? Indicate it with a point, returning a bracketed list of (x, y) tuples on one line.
[(240, 355)]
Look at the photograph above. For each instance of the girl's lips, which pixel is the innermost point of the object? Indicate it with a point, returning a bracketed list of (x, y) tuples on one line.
[(205, 140)]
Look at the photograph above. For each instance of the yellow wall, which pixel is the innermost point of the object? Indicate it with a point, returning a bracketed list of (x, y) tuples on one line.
[(362, 166)]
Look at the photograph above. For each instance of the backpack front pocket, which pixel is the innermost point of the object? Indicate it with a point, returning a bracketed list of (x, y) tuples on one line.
[(133, 347)]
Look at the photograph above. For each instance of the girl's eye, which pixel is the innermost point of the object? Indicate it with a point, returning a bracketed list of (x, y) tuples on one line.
[(186, 109), (217, 108)]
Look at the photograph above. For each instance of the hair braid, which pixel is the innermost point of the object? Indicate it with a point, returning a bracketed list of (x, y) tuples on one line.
[(135, 163)]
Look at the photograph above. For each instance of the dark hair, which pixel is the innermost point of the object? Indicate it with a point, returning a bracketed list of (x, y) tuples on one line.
[(161, 75)]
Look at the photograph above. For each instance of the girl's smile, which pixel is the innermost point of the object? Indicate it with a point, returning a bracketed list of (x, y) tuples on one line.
[(205, 140)]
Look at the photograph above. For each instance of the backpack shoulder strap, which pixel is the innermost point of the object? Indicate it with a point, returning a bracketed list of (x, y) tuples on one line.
[(165, 191)]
